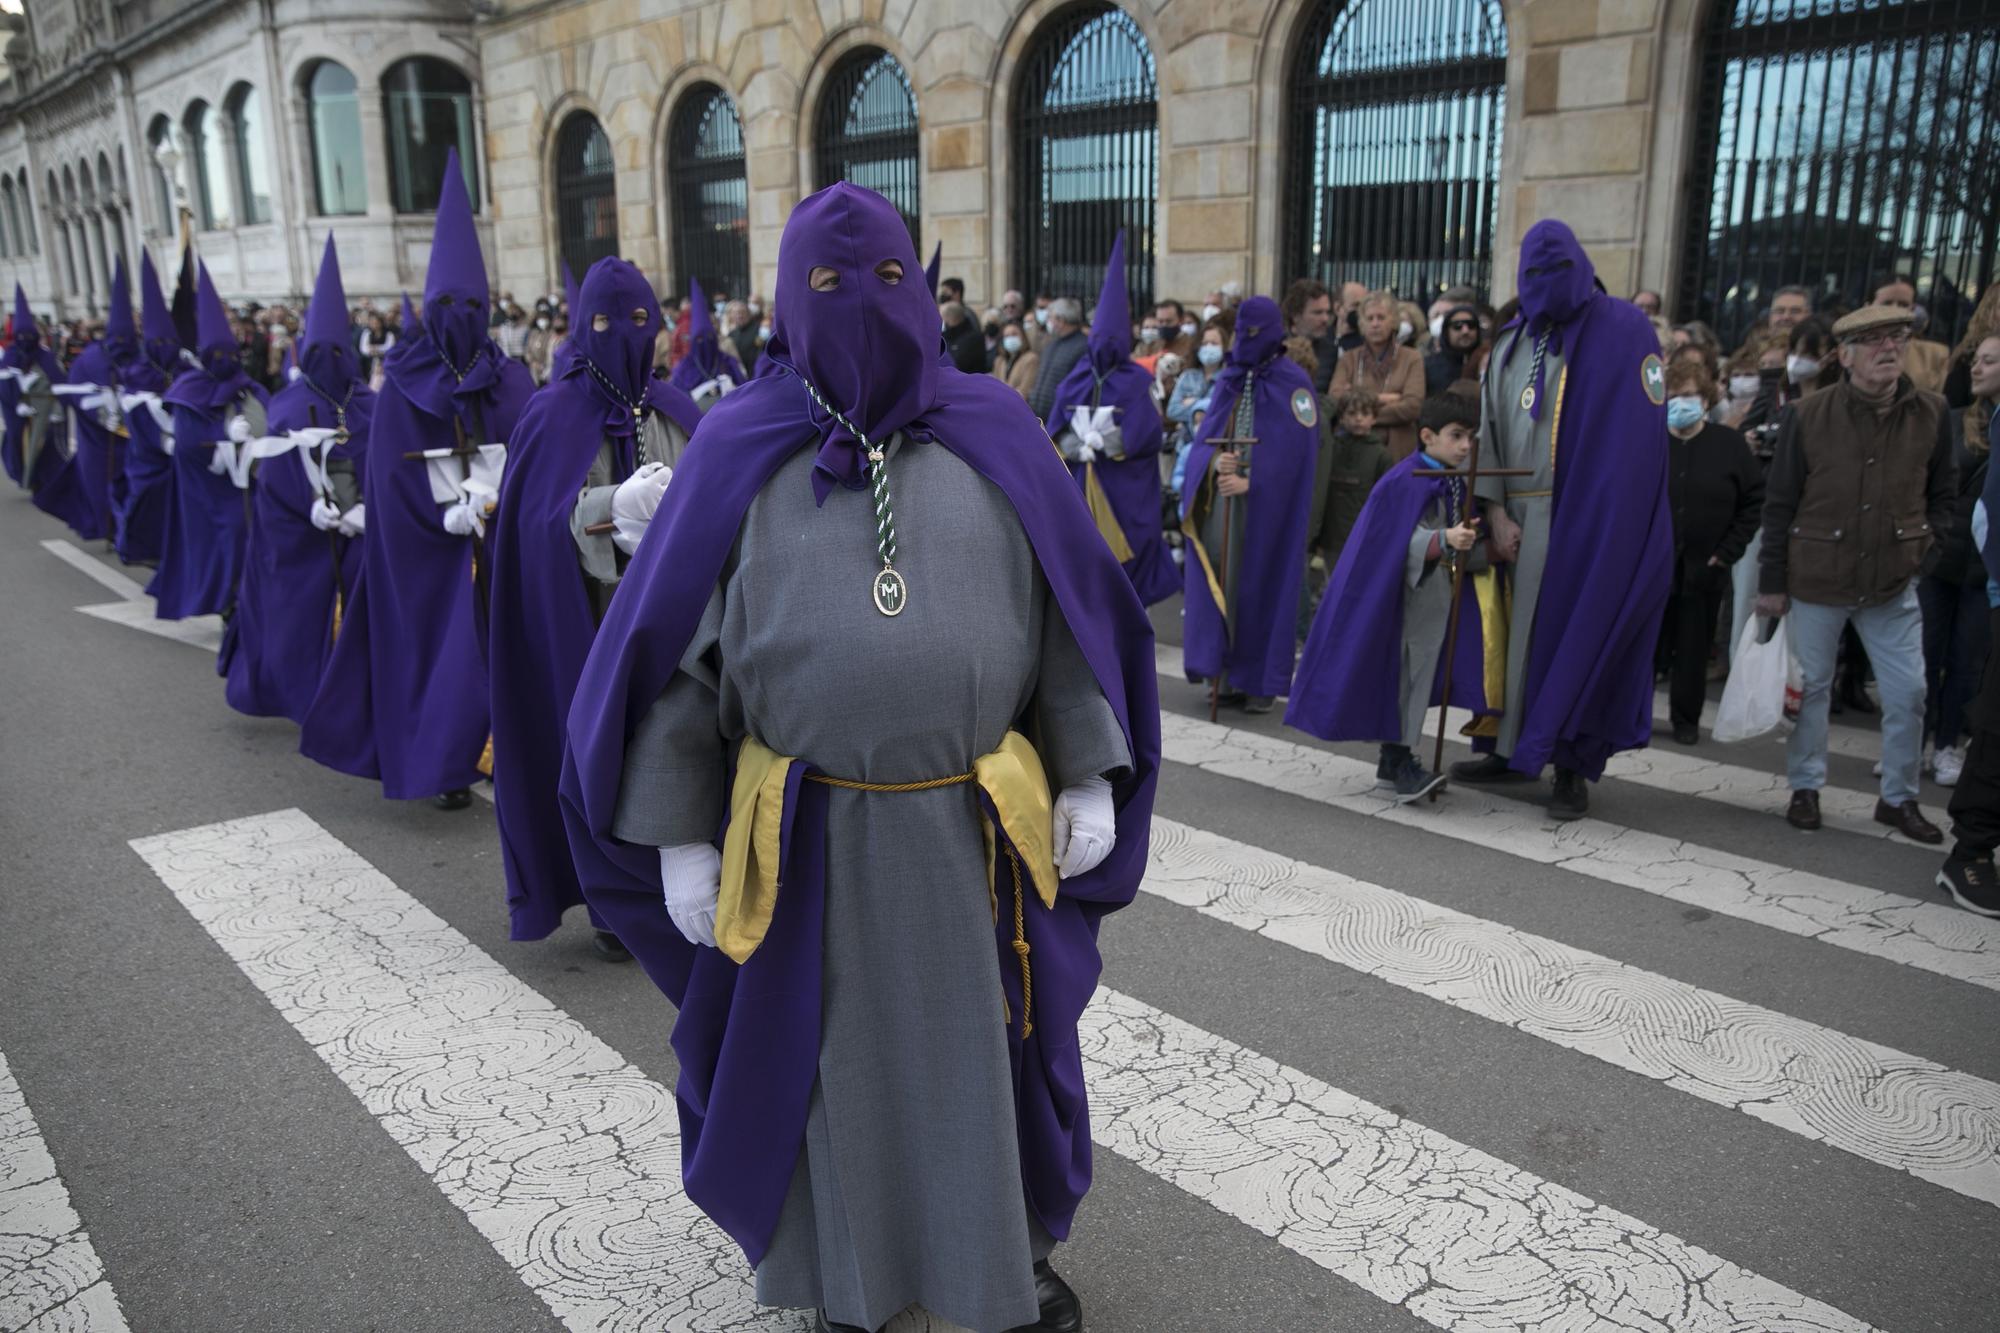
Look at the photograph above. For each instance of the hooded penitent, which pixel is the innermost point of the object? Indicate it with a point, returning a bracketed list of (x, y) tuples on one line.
[(295, 574), (1123, 493), (404, 697), (543, 615), (83, 489), (1242, 604), (207, 524), (1587, 690), (748, 1034), (26, 363), (705, 357), (140, 506)]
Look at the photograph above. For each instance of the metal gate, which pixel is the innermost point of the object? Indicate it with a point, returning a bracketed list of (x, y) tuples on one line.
[(866, 131), (1393, 144), (586, 193), (1087, 144), (1840, 140), (710, 193)]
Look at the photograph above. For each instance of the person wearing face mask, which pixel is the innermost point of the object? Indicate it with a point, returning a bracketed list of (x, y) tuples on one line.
[(1059, 352), (876, 564), (1194, 386), (742, 335), (1715, 492), (217, 409), (1384, 367), (28, 374), (592, 457), (409, 659), (1146, 351), (707, 372), (303, 556), (1244, 512), (1590, 545), (541, 343), (1017, 364), (140, 505), (1036, 325)]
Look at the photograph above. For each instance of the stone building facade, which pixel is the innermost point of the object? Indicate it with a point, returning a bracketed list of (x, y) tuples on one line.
[(662, 129)]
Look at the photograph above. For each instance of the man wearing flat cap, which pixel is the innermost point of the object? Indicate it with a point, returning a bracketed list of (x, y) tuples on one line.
[(1862, 478)]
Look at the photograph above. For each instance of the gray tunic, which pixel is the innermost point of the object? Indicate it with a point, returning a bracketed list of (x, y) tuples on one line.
[(41, 432), (1211, 524), (1510, 438), (908, 1190), (597, 555)]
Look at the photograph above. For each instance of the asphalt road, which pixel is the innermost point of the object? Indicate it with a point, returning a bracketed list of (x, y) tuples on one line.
[(1679, 1068)]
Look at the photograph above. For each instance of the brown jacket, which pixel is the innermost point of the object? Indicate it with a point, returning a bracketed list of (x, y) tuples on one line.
[(1853, 497), (1397, 421), (1019, 373)]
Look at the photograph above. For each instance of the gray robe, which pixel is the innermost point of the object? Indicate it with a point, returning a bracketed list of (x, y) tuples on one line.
[(1510, 438), (908, 1189), (596, 554)]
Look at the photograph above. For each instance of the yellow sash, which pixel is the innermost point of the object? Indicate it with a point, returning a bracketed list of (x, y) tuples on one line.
[(1104, 516)]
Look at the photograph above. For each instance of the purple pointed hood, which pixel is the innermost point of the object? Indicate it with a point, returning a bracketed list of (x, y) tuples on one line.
[(1111, 325), (616, 361), (156, 320), (220, 380), (1260, 333), (325, 350), (456, 295), (935, 269), (215, 341), (26, 333), (1556, 283), (869, 346), (407, 321), (121, 331)]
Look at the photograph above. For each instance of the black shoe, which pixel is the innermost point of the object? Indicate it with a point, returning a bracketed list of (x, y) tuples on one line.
[(1973, 885), (1414, 781), (1686, 733), (456, 799), (1062, 1312), (824, 1325), (1909, 821), (1260, 703), (1486, 768), (609, 948), (1803, 812), (1572, 796), (1385, 770)]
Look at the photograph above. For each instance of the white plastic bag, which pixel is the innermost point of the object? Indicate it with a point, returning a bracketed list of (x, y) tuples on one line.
[(1753, 702)]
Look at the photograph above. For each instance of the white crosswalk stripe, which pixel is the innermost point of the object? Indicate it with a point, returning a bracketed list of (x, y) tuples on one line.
[(1880, 1104), (1925, 935), (51, 1279)]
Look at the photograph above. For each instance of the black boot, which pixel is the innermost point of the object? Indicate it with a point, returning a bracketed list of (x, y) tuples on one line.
[(1062, 1312), (610, 948), (455, 799), (1572, 796), (1486, 768)]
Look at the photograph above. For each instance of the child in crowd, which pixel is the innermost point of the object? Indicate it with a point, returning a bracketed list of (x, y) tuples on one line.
[(1371, 662), (1352, 458)]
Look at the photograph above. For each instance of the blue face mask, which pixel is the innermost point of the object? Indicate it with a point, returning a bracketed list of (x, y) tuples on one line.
[(1211, 355), (1684, 411)]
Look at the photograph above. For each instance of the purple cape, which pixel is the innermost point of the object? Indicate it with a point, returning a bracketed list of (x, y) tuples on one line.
[(748, 1037), (207, 516), (278, 642), (20, 356), (1589, 679), (1106, 377), (1258, 658), (403, 698), (1348, 681), (140, 516), (77, 487)]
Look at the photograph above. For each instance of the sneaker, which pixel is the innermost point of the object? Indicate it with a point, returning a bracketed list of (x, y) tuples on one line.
[(1950, 763), (1973, 885), (1414, 781)]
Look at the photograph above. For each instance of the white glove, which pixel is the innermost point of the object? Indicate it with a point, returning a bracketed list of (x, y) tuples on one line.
[(167, 441), (355, 521), (635, 502), (218, 460), (459, 522), (691, 876), (1086, 827), (325, 515), (23, 410), (239, 429), (1091, 448)]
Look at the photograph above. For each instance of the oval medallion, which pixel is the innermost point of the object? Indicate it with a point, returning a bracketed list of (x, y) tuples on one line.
[(891, 593), (1528, 399)]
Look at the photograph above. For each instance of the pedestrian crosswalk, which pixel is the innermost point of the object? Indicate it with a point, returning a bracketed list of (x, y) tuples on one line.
[(560, 1148)]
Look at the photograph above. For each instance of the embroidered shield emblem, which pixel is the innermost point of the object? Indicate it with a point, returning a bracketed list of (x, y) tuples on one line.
[(1654, 376), (1304, 408)]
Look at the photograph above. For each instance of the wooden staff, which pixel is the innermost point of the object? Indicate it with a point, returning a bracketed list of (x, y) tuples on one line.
[(1459, 559), (1222, 569), (332, 534)]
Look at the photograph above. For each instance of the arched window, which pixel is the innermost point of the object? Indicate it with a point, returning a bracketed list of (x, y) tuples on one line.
[(208, 156), (28, 211), (1829, 152), (104, 187), (866, 130), (427, 111), (333, 115), (1393, 144), (1087, 140), (586, 193), (158, 137), (10, 234), (710, 193), (253, 175)]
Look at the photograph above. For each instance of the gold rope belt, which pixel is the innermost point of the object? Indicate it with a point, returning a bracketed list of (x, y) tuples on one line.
[(1015, 784)]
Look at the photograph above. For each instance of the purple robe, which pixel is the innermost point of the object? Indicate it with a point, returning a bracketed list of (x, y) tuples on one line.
[(747, 1036), (81, 490), (705, 357), (140, 508), (24, 353), (1347, 685), (1107, 377), (1253, 645)]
